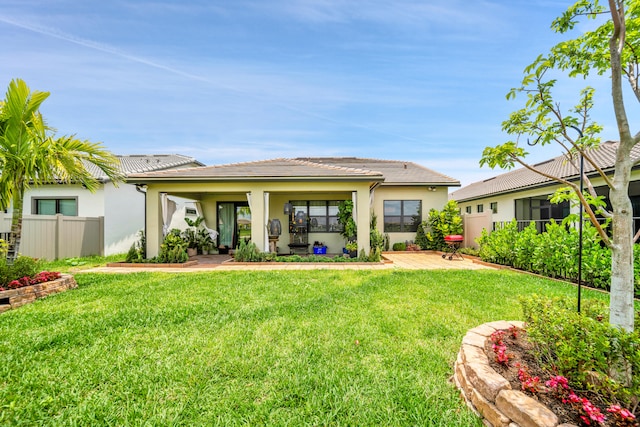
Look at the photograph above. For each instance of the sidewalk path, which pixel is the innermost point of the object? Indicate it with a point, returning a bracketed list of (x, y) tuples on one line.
[(404, 260)]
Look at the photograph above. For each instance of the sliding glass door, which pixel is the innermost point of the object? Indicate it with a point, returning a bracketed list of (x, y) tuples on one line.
[(234, 223)]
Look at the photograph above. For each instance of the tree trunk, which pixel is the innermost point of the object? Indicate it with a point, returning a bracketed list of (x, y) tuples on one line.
[(16, 225), (621, 309)]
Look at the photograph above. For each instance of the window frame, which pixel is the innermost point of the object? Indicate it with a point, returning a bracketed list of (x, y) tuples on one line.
[(402, 216), (324, 220), (480, 208), (494, 207), (468, 209), (35, 207)]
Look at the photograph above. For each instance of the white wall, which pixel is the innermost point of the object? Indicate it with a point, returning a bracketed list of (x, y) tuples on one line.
[(89, 204), (124, 217)]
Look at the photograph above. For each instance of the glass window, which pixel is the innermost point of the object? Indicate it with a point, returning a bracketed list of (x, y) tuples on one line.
[(468, 209), (322, 214), (494, 207), (480, 208), (402, 215), (318, 216), (68, 207)]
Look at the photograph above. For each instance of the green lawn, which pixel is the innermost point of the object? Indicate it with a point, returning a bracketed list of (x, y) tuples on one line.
[(345, 348)]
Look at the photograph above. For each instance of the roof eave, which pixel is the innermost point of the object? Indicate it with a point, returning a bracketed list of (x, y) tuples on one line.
[(142, 180), (423, 184), (533, 187)]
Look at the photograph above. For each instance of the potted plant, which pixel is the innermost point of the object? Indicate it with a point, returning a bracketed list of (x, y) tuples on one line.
[(191, 240), (352, 248), (205, 242), (190, 235)]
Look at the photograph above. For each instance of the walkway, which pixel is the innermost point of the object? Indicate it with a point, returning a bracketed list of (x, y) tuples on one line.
[(404, 260)]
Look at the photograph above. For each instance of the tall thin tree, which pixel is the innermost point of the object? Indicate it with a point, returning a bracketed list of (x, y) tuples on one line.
[(612, 48)]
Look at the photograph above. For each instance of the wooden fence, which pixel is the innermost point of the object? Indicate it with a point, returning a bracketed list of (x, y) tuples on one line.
[(58, 236)]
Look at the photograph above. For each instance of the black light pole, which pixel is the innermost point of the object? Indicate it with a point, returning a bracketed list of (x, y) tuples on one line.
[(580, 225), (580, 216)]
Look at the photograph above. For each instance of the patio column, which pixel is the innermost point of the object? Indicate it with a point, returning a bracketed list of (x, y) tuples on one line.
[(154, 222), (266, 222), (258, 229), (361, 207)]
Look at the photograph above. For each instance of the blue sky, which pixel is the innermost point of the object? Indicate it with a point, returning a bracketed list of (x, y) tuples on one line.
[(238, 80)]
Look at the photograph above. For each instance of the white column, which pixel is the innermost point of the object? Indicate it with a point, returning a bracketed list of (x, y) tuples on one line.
[(362, 219), (266, 222), (154, 222)]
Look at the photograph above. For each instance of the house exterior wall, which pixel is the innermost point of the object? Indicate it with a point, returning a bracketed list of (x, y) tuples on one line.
[(430, 200), (279, 192), (506, 202), (89, 204), (124, 217)]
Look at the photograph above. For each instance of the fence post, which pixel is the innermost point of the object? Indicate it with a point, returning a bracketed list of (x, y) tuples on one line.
[(101, 235), (59, 239)]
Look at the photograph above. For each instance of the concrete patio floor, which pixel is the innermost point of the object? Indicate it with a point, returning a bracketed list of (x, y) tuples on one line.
[(401, 260)]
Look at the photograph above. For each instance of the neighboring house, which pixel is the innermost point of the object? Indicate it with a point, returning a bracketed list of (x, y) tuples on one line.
[(524, 195), (121, 207), (238, 200)]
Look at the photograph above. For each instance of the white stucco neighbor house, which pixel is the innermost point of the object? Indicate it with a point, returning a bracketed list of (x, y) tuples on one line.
[(122, 207), (524, 195)]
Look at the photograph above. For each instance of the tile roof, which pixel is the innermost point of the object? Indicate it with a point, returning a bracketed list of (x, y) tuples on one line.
[(522, 178), (308, 168), (394, 171), (139, 163)]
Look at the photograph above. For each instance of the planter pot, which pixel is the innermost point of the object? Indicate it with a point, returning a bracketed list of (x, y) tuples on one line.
[(192, 252), (353, 254)]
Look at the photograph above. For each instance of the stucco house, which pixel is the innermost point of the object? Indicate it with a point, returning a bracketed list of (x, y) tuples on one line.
[(238, 200), (121, 207), (524, 195)]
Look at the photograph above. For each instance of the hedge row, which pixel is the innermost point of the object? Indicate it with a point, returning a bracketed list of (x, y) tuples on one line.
[(553, 253)]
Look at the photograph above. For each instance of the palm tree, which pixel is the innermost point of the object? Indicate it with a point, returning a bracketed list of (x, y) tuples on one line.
[(30, 155)]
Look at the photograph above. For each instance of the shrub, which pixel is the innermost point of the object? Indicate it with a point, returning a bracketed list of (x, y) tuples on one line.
[(23, 266), (400, 246), (248, 252), (138, 249), (173, 249), (497, 247), (578, 345), (376, 239), (552, 253), (431, 233)]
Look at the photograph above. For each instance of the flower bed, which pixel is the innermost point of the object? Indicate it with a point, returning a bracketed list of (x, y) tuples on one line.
[(500, 383), (23, 291)]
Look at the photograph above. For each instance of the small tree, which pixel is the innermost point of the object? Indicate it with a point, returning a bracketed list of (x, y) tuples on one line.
[(613, 48), (30, 155)]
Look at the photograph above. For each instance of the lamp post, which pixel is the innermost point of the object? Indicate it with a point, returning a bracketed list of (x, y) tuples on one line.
[(580, 215)]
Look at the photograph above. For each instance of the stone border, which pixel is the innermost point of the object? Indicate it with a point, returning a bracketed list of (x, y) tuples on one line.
[(488, 393), (14, 298)]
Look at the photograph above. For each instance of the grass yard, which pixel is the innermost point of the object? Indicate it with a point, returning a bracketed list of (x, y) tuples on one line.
[(340, 348)]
